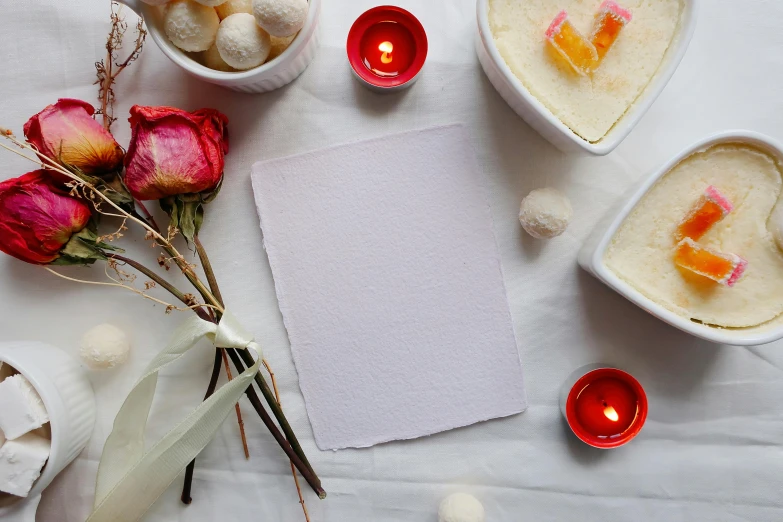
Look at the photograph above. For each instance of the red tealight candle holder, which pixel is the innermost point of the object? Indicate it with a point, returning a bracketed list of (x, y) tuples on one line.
[(604, 407), (387, 48)]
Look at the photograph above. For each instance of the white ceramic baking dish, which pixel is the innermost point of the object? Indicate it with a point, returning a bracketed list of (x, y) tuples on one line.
[(70, 403), (591, 257), (547, 124), (270, 76)]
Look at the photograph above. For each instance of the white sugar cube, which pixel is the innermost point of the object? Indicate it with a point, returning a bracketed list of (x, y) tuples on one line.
[(21, 461), (21, 408)]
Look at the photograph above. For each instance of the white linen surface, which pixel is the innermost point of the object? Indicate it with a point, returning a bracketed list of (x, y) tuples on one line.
[(711, 450)]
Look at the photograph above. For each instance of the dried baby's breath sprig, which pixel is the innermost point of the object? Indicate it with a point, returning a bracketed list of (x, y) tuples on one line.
[(110, 67), (117, 234)]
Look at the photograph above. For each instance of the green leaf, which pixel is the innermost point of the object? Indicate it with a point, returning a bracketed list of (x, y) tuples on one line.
[(190, 219), (114, 189), (65, 260), (83, 249), (186, 212), (209, 198)]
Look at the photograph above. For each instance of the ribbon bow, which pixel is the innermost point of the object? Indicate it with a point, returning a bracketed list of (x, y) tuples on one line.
[(130, 480)]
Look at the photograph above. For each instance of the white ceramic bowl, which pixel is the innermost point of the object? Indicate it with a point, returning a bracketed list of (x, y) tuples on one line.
[(270, 76), (591, 257), (70, 403), (547, 124)]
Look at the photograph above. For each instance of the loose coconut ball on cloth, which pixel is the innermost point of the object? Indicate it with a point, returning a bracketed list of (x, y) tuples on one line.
[(545, 213), (190, 25), (233, 7), (104, 347), (461, 507), (213, 60), (242, 44), (281, 17)]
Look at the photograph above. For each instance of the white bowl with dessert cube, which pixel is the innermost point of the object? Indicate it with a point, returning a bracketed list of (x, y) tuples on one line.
[(581, 112), (737, 172), (282, 57), (47, 413)]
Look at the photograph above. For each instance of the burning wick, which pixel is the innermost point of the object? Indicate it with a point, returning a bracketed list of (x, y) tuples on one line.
[(611, 413), (386, 48)]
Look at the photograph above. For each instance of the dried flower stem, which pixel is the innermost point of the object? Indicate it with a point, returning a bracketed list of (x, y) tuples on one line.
[(147, 215), (239, 412), (105, 69), (213, 284), (305, 470), (293, 468), (206, 265), (169, 306), (186, 498)]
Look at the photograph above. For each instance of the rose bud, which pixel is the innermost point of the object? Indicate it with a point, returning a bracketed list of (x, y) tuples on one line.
[(174, 152), (67, 134), (37, 219)]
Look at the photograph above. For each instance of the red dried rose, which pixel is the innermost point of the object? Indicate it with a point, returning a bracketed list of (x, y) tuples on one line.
[(67, 134), (174, 152), (37, 219)]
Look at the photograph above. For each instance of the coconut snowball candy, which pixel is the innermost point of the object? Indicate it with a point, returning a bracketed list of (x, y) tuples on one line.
[(241, 43), (281, 17), (190, 25), (461, 507), (105, 346), (545, 213)]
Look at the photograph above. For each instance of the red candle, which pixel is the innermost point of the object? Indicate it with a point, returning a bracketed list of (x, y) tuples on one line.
[(387, 48), (605, 407)]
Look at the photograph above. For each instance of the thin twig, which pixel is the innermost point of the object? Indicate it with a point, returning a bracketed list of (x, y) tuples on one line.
[(293, 468), (206, 265), (147, 215), (308, 474), (109, 68), (277, 411), (239, 412), (169, 307)]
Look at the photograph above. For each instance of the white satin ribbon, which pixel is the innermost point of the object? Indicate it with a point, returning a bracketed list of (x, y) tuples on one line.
[(130, 480)]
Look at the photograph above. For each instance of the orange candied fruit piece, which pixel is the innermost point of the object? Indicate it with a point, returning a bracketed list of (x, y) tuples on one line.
[(610, 20), (726, 269), (572, 45), (711, 208)]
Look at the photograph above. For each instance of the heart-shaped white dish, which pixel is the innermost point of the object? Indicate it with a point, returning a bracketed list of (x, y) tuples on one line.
[(592, 255), (544, 121)]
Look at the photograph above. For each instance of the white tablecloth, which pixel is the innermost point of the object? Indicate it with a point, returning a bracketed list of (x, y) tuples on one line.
[(711, 450)]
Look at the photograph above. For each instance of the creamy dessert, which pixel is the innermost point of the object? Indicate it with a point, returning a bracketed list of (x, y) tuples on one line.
[(642, 251), (588, 104)]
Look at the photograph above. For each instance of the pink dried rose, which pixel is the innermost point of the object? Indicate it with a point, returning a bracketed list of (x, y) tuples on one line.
[(67, 134), (174, 152), (37, 220)]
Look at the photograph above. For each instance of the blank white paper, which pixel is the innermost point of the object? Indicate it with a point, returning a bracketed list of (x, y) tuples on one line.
[(389, 281)]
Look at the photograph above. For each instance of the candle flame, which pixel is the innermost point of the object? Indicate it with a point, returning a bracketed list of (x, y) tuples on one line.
[(386, 48), (611, 414)]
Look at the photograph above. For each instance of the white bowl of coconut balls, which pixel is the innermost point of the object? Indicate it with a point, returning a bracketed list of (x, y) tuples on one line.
[(249, 46)]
